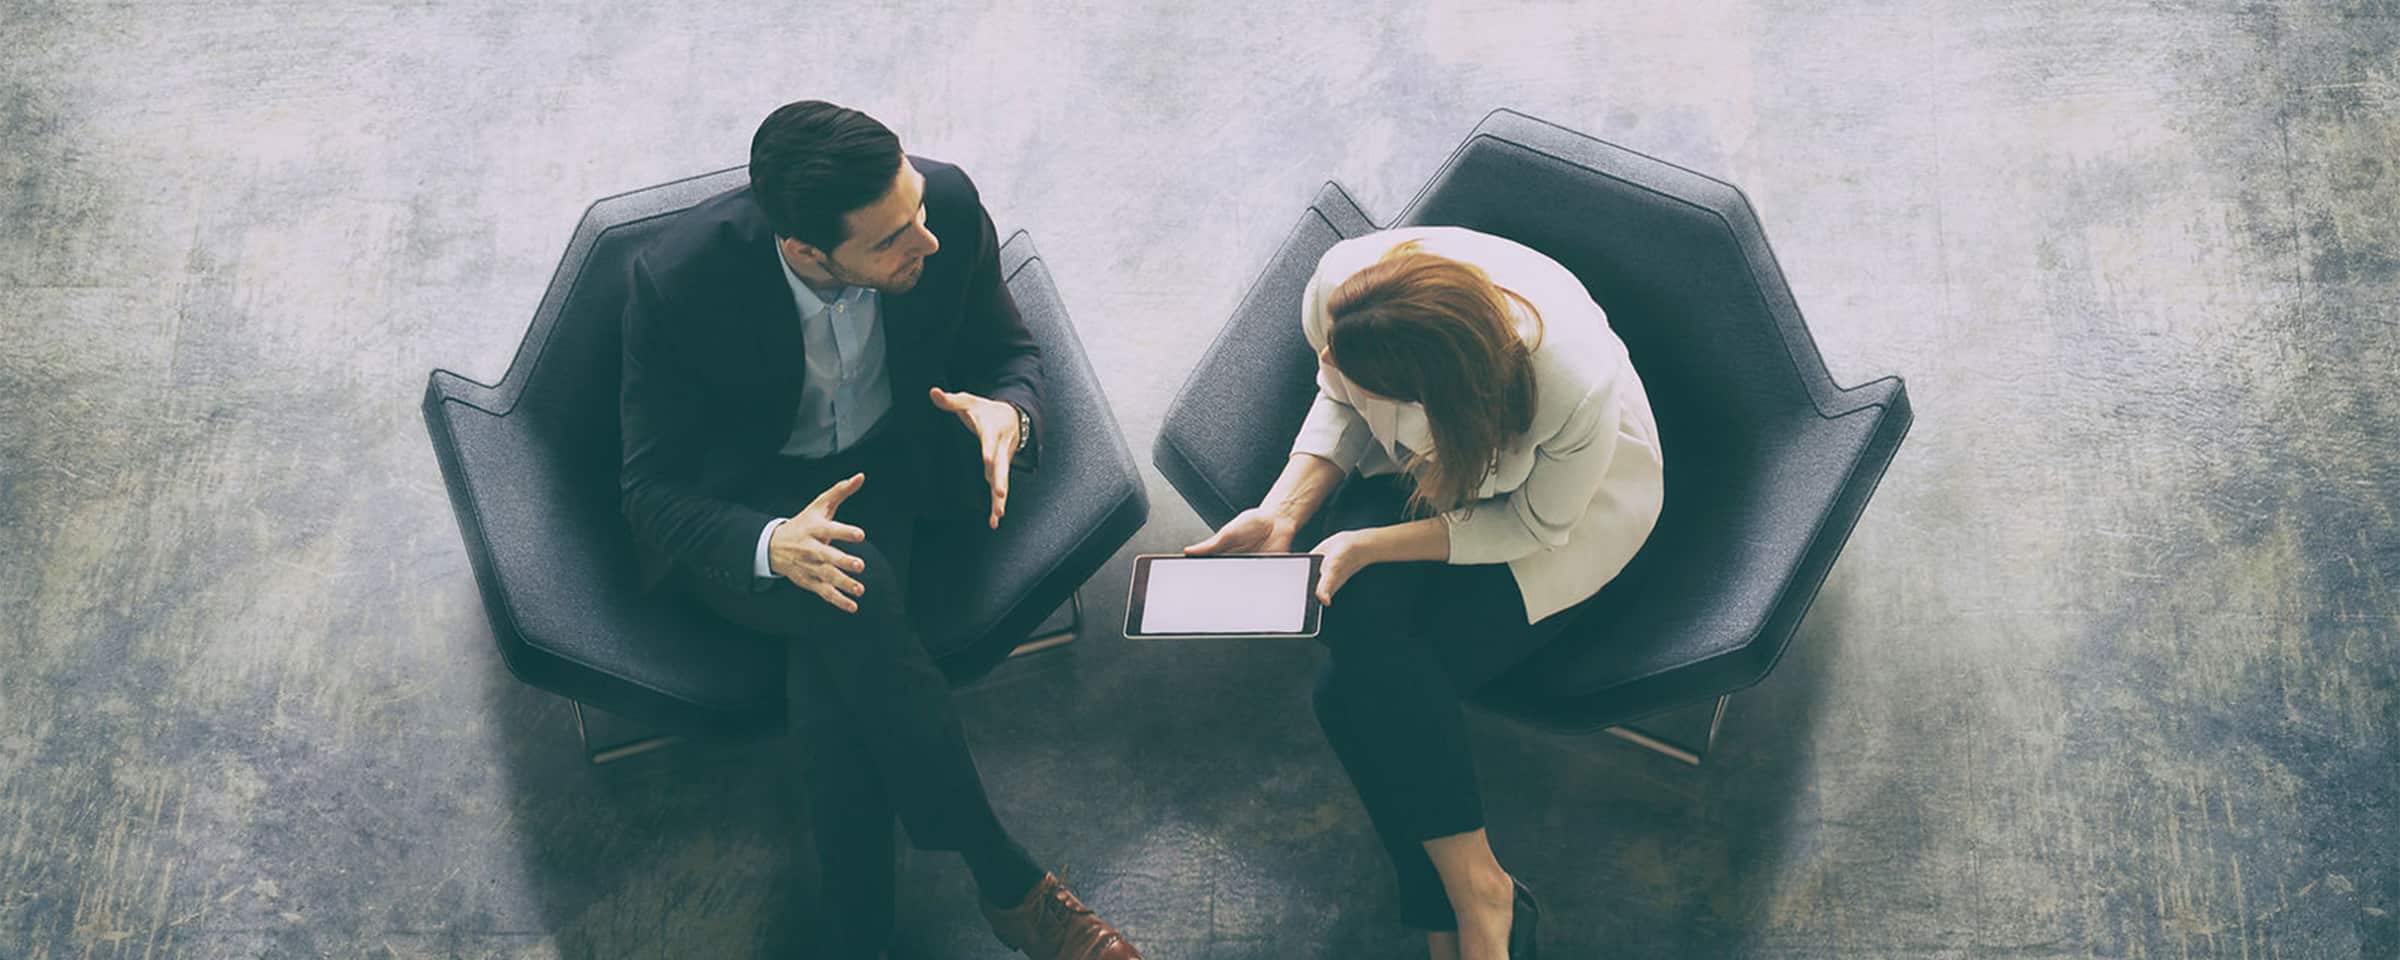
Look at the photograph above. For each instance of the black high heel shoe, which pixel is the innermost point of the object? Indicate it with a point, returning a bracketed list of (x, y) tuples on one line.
[(1524, 916)]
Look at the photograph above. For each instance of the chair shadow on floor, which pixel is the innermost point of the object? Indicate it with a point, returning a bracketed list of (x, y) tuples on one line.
[(1638, 855), (703, 848), (685, 851)]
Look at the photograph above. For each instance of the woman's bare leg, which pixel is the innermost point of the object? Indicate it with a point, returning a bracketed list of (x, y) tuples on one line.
[(1482, 894)]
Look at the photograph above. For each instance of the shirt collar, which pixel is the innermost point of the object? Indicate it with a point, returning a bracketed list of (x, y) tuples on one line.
[(804, 296)]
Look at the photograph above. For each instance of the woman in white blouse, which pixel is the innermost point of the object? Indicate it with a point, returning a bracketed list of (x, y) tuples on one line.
[(1508, 468)]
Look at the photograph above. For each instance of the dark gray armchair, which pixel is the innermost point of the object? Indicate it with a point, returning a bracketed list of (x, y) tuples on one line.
[(1769, 463), (531, 465)]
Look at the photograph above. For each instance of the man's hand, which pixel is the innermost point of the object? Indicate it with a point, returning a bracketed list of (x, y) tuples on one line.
[(994, 423), (802, 549), (1256, 530)]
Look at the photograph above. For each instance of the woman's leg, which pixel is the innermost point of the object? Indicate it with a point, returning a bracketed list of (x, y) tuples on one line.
[(1481, 894), (1403, 637), (1392, 716), (1478, 632), (1369, 610)]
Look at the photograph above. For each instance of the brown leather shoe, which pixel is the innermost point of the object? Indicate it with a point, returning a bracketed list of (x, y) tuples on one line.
[(1052, 925)]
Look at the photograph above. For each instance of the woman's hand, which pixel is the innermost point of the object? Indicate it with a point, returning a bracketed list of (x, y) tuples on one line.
[(1346, 553), (1256, 530)]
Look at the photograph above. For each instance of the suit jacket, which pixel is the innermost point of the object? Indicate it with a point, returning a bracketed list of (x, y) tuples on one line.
[(712, 371), (1578, 493)]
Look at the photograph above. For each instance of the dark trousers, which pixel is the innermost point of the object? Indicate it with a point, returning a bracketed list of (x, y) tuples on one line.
[(870, 707), (1408, 642)]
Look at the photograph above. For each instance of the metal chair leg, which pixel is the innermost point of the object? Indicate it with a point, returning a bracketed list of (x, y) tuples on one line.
[(1053, 633), (1691, 755), (619, 751)]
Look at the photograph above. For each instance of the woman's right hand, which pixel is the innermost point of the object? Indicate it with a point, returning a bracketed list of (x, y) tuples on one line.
[(1256, 530)]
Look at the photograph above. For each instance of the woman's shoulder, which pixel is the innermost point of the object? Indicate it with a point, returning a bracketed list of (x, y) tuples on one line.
[(1455, 242), (1347, 257)]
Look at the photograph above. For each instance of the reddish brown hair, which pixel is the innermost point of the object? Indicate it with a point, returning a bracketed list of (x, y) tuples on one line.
[(1423, 328)]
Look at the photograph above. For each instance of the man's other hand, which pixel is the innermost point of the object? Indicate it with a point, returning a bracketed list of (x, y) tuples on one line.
[(802, 549)]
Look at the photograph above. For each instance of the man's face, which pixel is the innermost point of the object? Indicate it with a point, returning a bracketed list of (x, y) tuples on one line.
[(888, 242)]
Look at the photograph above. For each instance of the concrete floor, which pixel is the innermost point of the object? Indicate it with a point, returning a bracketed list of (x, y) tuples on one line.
[(2108, 669)]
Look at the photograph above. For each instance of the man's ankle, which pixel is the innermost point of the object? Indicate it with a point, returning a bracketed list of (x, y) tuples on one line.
[(1004, 874)]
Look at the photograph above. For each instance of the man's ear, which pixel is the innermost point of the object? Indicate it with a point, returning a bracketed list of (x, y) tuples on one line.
[(800, 254)]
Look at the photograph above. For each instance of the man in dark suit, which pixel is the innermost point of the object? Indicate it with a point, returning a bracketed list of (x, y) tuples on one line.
[(835, 338)]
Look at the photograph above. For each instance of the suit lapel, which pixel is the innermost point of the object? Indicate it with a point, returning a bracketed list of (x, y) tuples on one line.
[(903, 327), (777, 348)]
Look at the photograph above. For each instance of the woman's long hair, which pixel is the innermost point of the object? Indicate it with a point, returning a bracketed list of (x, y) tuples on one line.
[(1423, 328)]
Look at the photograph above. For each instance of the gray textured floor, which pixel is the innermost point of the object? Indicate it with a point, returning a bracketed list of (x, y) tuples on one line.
[(2108, 669)]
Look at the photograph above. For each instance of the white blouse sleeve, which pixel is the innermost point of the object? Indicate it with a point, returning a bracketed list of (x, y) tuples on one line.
[(1568, 469)]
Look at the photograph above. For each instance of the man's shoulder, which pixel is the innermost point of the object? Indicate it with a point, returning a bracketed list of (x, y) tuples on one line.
[(950, 198), (943, 180), (698, 247)]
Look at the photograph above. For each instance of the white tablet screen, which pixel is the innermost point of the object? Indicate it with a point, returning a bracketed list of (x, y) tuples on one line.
[(1226, 595)]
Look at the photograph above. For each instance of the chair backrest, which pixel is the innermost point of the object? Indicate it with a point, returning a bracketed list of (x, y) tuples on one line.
[(565, 373), (1740, 392), (1676, 259)]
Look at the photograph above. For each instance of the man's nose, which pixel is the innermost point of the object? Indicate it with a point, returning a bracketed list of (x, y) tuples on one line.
[(932, 243)]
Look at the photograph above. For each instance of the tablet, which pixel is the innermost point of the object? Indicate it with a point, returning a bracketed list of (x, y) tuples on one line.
[(1224, 595)]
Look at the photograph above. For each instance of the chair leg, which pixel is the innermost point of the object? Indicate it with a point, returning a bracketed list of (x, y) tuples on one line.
[(1057, 631), (1660, 744), (617, 751)]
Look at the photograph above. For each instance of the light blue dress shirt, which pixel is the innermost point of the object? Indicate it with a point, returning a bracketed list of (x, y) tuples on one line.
[(845, 389)]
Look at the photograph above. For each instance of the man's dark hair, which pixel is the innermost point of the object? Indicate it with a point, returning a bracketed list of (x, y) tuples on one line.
[(812, 162)]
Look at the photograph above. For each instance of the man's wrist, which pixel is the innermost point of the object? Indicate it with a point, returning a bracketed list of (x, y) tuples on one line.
[(761, 562), (1024, 426)]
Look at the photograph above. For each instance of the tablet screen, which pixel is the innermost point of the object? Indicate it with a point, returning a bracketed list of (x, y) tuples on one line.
[(1232, 596)]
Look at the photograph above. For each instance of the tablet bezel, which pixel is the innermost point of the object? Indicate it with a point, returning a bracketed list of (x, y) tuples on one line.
[(1135, 602)]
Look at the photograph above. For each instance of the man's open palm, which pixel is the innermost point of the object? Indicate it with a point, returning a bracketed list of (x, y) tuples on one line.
[(994, 423)]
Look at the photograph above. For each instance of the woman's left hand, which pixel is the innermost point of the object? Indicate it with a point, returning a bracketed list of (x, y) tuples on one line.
[(1346, 553)]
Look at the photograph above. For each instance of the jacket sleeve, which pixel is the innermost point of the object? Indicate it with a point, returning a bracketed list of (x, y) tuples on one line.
[(659, 406), (996, 356), (1568, 469), (1333, 429)]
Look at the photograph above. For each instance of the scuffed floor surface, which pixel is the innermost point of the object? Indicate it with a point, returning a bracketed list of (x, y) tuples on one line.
[(2108, 669)]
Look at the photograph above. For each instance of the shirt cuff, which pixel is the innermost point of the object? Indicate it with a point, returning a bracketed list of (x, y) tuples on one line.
[(758, 562), (1492, 534)]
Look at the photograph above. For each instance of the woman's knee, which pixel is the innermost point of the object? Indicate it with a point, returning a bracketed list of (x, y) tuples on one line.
[(1373, 613)]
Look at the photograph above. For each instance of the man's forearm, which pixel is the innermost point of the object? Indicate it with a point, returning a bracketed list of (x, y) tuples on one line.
[(701, 532)]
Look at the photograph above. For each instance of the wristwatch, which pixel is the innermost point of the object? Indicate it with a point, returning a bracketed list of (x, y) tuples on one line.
[(1024, 428)]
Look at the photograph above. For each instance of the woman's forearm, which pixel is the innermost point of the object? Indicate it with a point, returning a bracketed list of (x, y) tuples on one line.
[(1427, 539), (1306, 482)]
